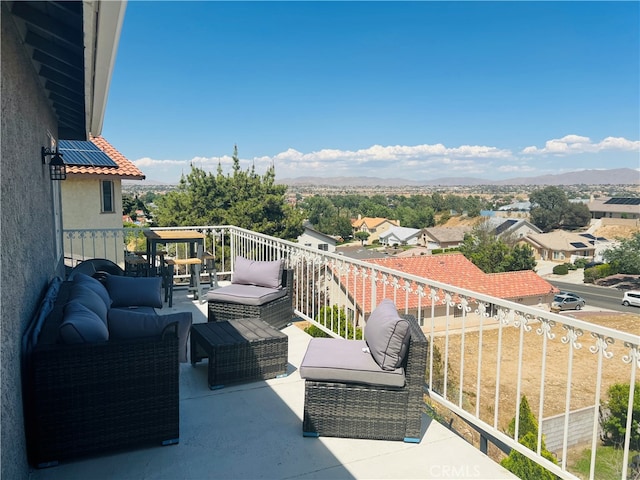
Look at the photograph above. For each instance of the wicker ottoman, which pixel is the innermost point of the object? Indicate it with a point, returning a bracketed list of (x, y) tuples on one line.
[(239, 350)]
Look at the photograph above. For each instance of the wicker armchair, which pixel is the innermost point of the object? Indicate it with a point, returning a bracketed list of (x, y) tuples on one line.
[(353, 410), (277, 313)]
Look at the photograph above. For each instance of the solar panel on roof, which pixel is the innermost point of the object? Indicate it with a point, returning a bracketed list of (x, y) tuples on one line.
[(578, 245), (623, 201), (77, 152)]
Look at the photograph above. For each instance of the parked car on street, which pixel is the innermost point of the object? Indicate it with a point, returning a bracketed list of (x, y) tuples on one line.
[(632, 297), (567, 301)]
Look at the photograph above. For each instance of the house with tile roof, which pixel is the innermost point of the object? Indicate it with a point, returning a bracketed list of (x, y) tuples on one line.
[(92, 195), (562, 246), (374, 226), (511, 227), (348, 290), (443, 237)]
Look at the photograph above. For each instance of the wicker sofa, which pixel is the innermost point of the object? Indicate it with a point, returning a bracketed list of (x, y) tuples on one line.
[(257, 290), (86, 395), (348, 394)]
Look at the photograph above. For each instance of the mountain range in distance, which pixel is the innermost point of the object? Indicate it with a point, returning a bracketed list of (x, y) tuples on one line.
[(617, 176)]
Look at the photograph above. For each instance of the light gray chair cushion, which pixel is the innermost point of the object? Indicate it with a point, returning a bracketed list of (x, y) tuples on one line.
[(81, 325), (95, 285), (134, 291), (387, 335), (346, 361), (127, 323), (86, 296), (261, 274), (245, 294)]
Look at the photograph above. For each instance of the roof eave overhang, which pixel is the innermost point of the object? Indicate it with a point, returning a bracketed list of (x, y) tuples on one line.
[(102, 26)]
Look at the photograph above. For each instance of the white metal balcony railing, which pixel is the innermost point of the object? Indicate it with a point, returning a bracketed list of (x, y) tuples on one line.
[(490, 352)]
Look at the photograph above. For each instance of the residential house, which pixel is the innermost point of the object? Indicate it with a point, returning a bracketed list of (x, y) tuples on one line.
[(615, 207), (442, 237), (92, 192), (312, 238), (374, 226), (400, 236), (524, 287), (56, 62), (561, 246), (512, 228)]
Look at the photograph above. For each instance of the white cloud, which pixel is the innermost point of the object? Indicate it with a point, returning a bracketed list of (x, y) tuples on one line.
[(576, 144), (150, 162), (409, 161)]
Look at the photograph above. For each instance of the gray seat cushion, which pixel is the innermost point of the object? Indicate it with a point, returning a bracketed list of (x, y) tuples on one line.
[(387, 335), (127, 323), (260, 273), (245, 294), (346, 361), (81, 325), (134, 291)]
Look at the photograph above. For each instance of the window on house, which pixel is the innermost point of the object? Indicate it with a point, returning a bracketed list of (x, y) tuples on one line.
[(107, 196), (323, 246)]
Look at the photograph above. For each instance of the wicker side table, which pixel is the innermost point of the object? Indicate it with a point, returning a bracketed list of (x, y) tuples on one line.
[(239, 350)]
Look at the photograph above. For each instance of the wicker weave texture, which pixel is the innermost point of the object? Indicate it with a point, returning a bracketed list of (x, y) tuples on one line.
[(91, 398), (366, 411), (277, 313), (239, 350)]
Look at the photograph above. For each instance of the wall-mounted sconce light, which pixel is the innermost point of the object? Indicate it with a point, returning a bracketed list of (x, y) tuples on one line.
[(57, 168)]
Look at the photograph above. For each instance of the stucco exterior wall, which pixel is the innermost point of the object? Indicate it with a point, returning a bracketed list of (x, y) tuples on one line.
[(28, 252), (82, 205)]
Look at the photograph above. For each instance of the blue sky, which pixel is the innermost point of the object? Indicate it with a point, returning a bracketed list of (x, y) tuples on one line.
[(415, 90)]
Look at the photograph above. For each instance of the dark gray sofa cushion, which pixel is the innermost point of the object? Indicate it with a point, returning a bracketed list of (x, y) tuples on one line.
[(126, 323), (387, 335), (245, 294), (93, 284), (81, 325), (87, 297), (134, 291), (260, 273), (346, 361)]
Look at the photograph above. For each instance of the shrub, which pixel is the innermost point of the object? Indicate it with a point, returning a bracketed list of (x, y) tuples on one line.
[(336, 320), (614, 420), (560, 269), (581, 262), (571, 266), (436, 251), (599, 271), (518, 464)]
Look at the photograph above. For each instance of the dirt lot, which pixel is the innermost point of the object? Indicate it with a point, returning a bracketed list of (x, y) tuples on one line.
[(585, 365)]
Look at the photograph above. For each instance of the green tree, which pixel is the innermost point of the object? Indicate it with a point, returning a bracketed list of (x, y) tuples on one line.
[(625, 257), (577, 215), (548, 207), (492, 255), (614, 422), (519, 464), (551, 209), (362, 236), (521, 257), (242, 198)]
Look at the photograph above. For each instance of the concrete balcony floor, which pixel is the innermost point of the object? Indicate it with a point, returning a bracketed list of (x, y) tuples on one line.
[(254, 430)]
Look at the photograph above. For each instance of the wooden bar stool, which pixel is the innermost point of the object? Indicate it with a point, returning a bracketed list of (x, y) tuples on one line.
[(194, 265)]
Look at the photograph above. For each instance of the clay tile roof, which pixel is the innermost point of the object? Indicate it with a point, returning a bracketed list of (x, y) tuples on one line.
[(453, 269), (125, 169)]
